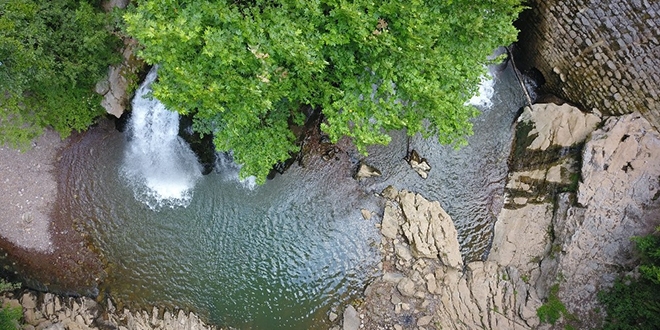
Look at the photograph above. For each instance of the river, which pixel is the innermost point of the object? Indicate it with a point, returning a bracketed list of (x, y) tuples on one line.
[(277, 256)]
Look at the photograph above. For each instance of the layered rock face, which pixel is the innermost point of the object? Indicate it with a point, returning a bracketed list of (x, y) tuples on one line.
[(575, 195), (602, 55)]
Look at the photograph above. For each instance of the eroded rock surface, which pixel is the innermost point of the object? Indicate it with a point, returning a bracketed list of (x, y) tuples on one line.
[(617, 199)]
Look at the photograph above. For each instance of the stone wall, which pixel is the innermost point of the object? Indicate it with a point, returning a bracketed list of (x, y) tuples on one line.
[(598, 54)]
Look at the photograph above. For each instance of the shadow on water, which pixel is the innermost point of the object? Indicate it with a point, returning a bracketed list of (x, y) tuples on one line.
[(282, 254)]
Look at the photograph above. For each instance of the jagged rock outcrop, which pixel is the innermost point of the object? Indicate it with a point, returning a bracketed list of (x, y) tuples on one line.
[(418, 164), (617, 199), (118, 87), (123, 77), (420, 241)]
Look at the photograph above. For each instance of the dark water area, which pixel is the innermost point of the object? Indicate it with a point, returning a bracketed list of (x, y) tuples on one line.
[(277, 256)]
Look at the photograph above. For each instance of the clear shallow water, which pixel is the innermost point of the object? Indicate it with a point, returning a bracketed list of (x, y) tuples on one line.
[(280, 255)]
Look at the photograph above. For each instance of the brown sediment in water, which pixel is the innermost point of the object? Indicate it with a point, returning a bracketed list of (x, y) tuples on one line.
[(40, 244)]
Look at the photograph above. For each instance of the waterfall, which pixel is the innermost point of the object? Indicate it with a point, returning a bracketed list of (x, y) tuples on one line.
[(159, 166), (486, 90)]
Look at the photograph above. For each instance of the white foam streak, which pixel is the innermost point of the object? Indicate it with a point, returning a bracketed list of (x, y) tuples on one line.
[(483, 99)]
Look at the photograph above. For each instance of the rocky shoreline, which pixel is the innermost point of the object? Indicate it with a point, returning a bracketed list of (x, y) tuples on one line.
[(47, 311), (579, 187)]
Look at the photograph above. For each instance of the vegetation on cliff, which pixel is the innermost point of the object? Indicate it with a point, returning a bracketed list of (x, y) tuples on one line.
[(52, 52), (244, 69), (635, 303)]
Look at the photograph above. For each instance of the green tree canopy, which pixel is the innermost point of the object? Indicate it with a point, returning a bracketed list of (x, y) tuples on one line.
[(52, 52), (244, 68)]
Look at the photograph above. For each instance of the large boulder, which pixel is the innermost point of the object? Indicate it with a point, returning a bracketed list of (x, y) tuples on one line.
[(429, 229), (122, 79)]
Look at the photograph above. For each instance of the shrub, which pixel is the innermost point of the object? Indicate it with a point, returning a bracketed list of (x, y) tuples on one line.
[(635, 303), (52, 53)]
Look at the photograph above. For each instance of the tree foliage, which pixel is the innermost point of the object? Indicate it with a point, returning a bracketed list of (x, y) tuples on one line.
[(244, 68), (52, 52), (635, 303)]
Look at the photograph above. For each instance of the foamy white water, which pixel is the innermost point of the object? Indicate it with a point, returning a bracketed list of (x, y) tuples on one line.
[(483, 99), (159, 166)]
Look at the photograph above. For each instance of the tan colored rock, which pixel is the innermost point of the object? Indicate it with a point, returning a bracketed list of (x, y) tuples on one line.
[(29, 300), (558, 125), (618, 199), (430, 230), (521, 236), (366, 171), (406, 287), (116, 95), (390, 223), (366, 214)]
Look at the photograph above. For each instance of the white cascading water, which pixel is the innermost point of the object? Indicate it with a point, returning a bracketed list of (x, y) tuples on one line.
[(160, 167)]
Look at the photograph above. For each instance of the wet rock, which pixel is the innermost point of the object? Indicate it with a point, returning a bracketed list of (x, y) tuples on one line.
[(202, 146), (116, 88), (366, 171), (351, 319), (57, 312), (366, 214), (418, 164), (390, 224)]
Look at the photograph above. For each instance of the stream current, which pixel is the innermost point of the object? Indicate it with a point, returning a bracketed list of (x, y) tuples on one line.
[(277, 256)]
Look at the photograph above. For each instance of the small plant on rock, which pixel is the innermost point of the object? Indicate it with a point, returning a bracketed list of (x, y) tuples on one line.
[(10, 317), (553, 308)]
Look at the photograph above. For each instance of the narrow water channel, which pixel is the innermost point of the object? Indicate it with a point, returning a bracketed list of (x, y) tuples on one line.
[(276, 256)]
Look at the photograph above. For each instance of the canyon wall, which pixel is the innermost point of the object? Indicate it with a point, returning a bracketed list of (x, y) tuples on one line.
[(602, 55)]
